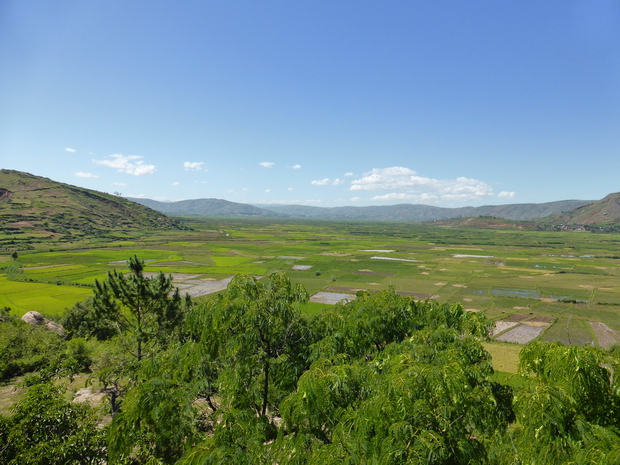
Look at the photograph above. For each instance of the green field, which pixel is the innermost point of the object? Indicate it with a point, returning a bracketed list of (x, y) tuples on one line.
[(573, 277)]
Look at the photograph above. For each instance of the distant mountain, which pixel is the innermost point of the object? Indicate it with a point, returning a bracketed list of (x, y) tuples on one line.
[(205, 207), (409, 212), (403, 212), (605, 211), (44, 208)]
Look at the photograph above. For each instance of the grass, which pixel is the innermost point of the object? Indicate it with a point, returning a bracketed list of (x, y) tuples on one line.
[(528, 272), (505, 355)]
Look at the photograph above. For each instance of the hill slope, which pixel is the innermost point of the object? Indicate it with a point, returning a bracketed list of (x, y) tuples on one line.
[(409, 212), (205, 207), (45, 208), (606, 211), (402, 212)]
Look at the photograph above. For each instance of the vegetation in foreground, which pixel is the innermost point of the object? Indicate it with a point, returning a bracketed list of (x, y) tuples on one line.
[(246, 377)]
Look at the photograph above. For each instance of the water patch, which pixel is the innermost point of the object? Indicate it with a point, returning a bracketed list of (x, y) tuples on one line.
[(289, 257), (378, 250), (394, 259), (331, 298), (508, 292), (460, 255), (301, 267)]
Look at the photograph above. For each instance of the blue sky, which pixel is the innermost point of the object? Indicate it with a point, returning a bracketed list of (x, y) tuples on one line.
[(323, 103)]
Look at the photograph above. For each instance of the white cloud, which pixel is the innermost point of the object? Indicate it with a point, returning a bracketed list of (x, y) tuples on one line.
[(290, 188), (193, 165), (130, 164), (337, 182), (245, 189), (393, 196), (230, 191), (70, 150), (313, 201), (323, 182), (296, 167), (86, 175), (506, 195), (348, 174), (267, 164), (175, 183), (119, 183), (420, 188), (267, 191), (355, 199)]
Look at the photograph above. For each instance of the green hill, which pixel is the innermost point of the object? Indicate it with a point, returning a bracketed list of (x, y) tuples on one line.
[(605, 211), (34, 208), (206, 207)]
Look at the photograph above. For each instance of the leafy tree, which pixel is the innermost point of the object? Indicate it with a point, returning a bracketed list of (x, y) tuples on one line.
[(45, 428), (571, 407), (144, 310), (116, 371), (14, 255), (159, 414), (81, 320), (262, 337)]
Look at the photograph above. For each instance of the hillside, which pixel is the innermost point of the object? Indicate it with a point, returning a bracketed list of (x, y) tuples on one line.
[(402, 212), (205, 207), (409, 212), (487, 222), (605, 211), (33, 207)]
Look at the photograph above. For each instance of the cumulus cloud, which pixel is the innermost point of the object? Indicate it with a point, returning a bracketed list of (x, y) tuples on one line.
[(348, 174), (267, 164), (175, 183), (506, 195), (267, 191), (418, 187), (322, 182), (290, 188), (193, 165), (130, 164), (337, 182), (70, 150), (86, 175), (296, 167)]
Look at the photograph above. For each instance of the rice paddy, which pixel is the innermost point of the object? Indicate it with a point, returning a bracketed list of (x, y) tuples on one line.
[(573, 279)]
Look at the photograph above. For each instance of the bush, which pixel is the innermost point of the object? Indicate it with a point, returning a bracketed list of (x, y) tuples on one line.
[(25, 348), (80, 321)]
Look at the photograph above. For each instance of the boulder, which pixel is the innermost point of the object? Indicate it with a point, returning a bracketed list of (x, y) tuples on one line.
[(35, 318)]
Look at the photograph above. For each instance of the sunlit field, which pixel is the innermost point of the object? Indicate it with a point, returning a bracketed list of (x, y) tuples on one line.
[(552, 286)]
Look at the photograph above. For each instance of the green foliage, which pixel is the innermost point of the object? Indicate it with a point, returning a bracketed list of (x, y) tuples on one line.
[(572, 406), (25, 348), (166, 397), (393, 381), (82, 321), (116, 370), (45, 428), (261, 337), (146, 311)]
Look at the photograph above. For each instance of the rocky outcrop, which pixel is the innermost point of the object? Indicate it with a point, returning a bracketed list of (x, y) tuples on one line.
[(35, 318)]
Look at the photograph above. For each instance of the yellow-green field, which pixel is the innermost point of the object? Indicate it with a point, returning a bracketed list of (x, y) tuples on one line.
[(574, 278)]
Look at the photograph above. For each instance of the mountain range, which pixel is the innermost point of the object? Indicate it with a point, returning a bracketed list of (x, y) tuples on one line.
[(402, 212), (44, 208)]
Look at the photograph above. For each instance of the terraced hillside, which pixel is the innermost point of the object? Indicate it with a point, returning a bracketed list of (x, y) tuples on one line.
[(34, 208)]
